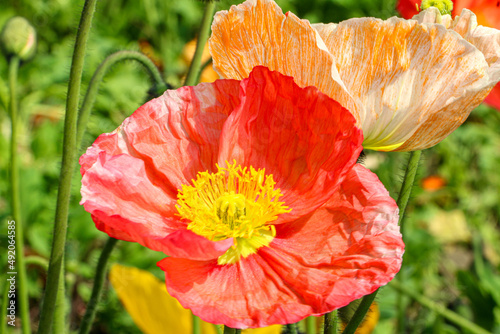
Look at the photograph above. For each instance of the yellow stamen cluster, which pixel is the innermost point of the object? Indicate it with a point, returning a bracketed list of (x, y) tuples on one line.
[(235, 202)]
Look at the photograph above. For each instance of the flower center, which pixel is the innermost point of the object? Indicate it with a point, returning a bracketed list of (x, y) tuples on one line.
[(235, 202), (444, 6)]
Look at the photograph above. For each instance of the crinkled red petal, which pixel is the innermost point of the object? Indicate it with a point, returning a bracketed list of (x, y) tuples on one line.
[(131, 176), (305, 139), (360, 208), (342, 251), (126, 205)]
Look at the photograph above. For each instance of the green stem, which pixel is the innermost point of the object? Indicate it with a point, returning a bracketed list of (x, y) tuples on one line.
[(439, 309), (56, 262), (404, 195), (99, 279), (311, 325), (22, 292), (90, 96), (331, 323), (360, 313), (406, 187), (229, 330), (291, 329), (3, 310), (60, 307), (218, 328), (195, 67), (196, 324)]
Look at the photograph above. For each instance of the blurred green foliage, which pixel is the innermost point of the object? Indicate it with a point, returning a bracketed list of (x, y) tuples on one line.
[(452, 233)]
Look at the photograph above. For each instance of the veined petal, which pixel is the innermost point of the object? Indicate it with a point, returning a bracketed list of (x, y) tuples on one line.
[(126, 205), (487, 13), (246, 294), (342, 251), (131, 176), (361, 209), (417, 81), (486, 39), (169, 132), (306, 140), (257, 32)]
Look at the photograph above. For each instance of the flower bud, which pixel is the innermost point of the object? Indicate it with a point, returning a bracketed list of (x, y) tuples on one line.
[(18, 38), (444, 6)]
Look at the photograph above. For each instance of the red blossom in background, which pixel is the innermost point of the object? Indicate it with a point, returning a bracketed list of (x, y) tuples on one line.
[(337, 240), (488, 15)]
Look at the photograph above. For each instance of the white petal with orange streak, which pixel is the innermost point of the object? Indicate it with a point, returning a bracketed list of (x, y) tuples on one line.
[(404, 73), (485, 39), (257, 32)]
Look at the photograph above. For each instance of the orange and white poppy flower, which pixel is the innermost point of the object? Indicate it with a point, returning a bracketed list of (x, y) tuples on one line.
[(409, 84)]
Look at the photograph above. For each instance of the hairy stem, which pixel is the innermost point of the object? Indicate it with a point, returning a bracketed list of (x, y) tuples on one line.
[(20, 267), (330, 323), (229, 330), (291, 329), (90, 96), (404, 195), (360, 313), (56, 262), (100, 276)]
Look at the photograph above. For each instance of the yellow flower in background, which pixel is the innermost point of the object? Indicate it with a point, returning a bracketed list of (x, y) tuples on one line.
[(409, 83), (153, 310)]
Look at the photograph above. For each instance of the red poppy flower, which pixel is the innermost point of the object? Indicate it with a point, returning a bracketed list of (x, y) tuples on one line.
[(252, 188), (487, 13)]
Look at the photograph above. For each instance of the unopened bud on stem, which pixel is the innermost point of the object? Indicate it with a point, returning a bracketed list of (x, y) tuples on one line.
[(18, 38)]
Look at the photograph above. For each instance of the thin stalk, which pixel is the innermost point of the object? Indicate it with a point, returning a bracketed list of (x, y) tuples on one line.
[(22, 292), (196, 324), (99, 279), (360, 313), (61, 307), (402, 201), (330, 324), (439, 309), (90, 96), (218, 328), (407, 186), (311, 325), (205, 64), (195, 67), (404, 195), (56, 262), (291, 329), (3, 310), (229, 330)]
